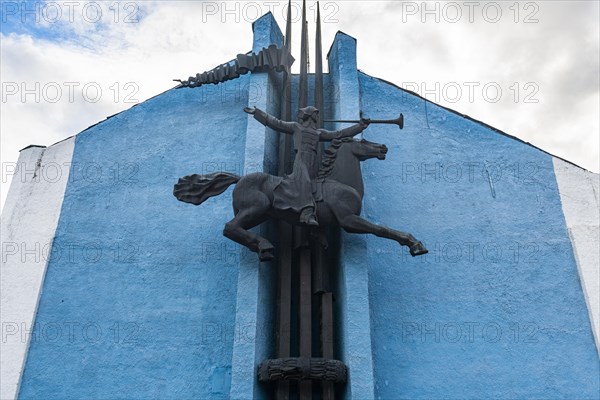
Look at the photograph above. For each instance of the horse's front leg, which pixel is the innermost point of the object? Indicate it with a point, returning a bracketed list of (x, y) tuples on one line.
[(356, 224)]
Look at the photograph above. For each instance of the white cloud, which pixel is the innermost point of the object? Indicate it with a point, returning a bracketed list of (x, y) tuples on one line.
[(558, 55)]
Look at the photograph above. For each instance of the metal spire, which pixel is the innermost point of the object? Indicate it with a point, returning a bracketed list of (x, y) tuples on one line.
[(319, 69), (288, 28), (305, 294), (284, 295), (303, 86), (285, 142), (286, 112)]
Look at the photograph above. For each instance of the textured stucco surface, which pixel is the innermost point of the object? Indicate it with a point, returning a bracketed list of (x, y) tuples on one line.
[(496, 309), (354, 325), (579, 197), (255, 303), (29, 223), (149, 287)]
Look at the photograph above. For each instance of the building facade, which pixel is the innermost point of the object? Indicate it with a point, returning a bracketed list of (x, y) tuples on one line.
[(111, 288)]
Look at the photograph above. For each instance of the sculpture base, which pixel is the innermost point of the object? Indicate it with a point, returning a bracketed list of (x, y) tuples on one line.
[(302, 368)]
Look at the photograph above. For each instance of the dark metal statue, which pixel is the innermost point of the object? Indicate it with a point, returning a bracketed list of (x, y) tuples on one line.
[(334, 190), (295, 192), (324, 189)]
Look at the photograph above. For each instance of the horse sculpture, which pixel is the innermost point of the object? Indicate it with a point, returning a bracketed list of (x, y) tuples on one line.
[(339, 193)]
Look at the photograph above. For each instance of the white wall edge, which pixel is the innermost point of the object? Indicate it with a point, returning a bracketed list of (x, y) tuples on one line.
[(579, 193), (29, 220)]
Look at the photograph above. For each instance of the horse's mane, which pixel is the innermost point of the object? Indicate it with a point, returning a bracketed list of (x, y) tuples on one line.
[(329, 156)]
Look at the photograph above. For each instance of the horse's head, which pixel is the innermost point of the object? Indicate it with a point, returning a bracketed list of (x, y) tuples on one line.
[(341, 161), (364, 150)]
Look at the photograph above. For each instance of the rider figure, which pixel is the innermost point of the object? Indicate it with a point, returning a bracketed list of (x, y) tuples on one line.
[(295, 191)]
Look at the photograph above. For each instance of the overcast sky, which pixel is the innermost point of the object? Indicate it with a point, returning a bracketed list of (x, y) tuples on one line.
[(528, 68)]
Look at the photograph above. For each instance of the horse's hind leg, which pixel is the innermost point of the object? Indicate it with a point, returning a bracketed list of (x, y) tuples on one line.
[(355, 224), (237, 230)]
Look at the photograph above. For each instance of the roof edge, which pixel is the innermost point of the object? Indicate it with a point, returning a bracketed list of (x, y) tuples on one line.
[(265, 15), (335, 39), (478, 122), (32, 145)]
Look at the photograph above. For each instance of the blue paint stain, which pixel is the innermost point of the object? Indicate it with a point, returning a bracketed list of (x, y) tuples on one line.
[(220, 380)]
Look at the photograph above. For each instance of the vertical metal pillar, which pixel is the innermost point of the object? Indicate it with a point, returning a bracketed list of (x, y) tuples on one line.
[(284, 296), (303, 272), (321, 270), (305, 267)]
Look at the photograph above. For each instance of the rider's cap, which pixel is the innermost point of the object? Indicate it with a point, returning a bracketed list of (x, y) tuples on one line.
[(307, 112)]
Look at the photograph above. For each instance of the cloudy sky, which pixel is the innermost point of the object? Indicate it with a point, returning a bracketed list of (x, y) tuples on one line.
[(529, 68)]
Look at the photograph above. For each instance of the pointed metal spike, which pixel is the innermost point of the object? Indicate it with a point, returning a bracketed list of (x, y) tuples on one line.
[(319, 69), (307, 50), (303, 86), (285, 141), (288, 28)]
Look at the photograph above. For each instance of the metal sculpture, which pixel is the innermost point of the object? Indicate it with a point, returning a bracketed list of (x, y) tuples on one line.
[(324, 189), (338, 193), (302, 368), (270, 58), (398, 121), (295, 191)]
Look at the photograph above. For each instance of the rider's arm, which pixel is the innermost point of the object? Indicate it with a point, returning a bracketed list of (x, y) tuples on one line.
[(351, 131), (271, 121)]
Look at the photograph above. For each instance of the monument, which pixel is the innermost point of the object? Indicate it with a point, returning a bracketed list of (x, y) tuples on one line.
[(139, 295), (324, 190)]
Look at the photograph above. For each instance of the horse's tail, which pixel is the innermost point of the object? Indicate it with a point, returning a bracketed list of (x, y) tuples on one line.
[(196, 189)]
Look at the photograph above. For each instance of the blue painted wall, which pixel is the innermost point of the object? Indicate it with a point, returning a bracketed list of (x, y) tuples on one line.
[(146, 283), (496, 309)]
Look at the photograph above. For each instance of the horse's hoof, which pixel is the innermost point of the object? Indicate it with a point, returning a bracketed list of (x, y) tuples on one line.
[(418, 249), (266, 252), (266, 256)]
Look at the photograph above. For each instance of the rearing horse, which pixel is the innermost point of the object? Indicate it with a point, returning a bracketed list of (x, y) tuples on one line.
[(339, 197)]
